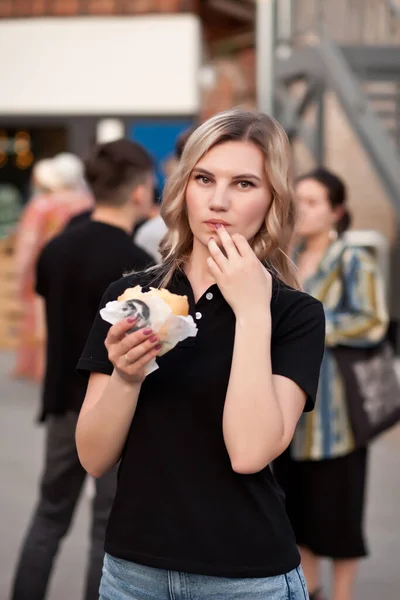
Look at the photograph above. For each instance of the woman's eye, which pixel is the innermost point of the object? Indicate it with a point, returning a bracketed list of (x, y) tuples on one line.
[(244, 185), (203, 179)]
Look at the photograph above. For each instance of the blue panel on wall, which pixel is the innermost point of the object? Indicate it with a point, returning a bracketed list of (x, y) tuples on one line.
[(159, 137)]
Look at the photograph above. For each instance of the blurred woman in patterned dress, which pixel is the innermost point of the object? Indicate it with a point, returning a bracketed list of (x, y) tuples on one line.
[(324, 473)]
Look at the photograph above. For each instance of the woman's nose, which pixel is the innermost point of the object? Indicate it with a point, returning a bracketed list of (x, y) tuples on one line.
[(219, 199)]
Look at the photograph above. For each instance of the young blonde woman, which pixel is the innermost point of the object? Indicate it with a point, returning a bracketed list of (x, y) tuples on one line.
[(198, 514)]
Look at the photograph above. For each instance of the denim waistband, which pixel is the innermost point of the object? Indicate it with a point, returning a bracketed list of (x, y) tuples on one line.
[(125, 580)]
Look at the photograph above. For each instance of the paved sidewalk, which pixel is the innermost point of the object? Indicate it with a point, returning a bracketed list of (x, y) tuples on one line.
[(20, 461)]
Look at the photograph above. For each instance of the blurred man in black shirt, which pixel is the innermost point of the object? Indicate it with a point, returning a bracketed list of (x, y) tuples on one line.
[(73, 272)]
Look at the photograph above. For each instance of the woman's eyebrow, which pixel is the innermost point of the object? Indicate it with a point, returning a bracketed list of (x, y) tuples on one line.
[(234, 177), (203, 171), (247, 176)]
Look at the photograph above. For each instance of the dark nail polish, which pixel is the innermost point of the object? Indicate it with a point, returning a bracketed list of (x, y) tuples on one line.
[(158, 347), (147, 331), (154, 339), (132, 320)]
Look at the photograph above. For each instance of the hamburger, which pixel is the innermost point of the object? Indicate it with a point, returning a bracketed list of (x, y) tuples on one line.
[(179, 305), (165, 313)]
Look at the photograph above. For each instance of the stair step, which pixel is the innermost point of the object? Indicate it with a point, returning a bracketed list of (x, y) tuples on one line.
[(383, 97), (386, 114), (377, 62)]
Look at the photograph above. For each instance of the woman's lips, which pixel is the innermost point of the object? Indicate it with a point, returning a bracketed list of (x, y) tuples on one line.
[(216, 224)]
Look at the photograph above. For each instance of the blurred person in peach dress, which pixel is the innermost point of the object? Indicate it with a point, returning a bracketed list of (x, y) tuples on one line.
[(59, 194)]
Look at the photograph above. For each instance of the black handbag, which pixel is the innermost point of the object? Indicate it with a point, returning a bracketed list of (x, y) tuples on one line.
[(372, 387)]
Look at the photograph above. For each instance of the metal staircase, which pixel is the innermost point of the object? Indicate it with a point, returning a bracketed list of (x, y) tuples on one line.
[(351, 47)]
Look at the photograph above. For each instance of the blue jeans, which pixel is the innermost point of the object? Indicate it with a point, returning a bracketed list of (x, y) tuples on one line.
[(124, 580)]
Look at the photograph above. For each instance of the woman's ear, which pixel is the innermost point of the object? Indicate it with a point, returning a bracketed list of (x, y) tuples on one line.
[(338, 212)]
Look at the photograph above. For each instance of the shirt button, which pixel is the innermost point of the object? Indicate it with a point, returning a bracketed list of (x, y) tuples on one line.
[(198, 315), (209, 296)]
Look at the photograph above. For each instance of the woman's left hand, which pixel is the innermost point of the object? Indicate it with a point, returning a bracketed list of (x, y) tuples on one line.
[(243, 280)]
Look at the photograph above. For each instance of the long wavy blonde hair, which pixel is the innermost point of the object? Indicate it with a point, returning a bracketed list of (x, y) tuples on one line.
[(271, 244)]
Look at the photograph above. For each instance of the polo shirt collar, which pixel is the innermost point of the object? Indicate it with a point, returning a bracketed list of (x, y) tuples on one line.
[(180, 284)]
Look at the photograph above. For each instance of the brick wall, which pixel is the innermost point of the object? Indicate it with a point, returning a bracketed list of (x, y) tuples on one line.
[(235, 84), (37, 8)]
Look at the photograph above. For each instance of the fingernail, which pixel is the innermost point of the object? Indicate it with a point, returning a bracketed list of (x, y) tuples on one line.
[(147, 331), (154, 339), (131, 319), (211, 239), (158, 347), (218, 225)]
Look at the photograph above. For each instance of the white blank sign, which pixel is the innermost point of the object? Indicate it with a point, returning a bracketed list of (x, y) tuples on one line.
[(144, 65)]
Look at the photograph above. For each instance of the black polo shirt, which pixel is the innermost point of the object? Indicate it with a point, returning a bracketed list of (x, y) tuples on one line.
[(179, 505)]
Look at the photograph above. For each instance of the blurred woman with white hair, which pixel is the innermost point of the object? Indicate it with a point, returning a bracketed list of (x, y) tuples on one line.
[(70, 169), (59, 193)]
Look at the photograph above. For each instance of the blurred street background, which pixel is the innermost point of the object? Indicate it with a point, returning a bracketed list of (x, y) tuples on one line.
[(77, 72)]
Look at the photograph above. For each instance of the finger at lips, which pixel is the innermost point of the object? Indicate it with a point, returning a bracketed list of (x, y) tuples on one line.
[(216, 253), (242, 245), (214, 268), (227, 242)]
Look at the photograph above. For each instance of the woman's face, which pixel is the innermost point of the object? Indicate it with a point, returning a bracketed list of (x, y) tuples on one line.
[(315, 214), (229, 186)]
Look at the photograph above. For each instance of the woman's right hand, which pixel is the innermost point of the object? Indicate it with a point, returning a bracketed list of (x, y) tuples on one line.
[(130, 353)]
